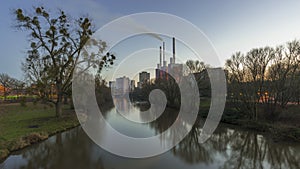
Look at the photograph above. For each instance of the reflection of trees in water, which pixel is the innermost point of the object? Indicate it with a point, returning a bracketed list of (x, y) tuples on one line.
[(105, 109), (245, 151), (162, 123), (66, 151), (165, 121), (239, 148), (242, 149), (249, 150), (191, 151)]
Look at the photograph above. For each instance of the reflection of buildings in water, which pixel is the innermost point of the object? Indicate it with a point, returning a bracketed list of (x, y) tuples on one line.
[(122, 104)]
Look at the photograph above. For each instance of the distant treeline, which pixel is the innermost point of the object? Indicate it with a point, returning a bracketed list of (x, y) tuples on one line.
[(261, 83)]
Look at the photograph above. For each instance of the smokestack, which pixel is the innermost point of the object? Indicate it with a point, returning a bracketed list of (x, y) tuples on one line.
[(164, 53), (160, 57), (173, 50)]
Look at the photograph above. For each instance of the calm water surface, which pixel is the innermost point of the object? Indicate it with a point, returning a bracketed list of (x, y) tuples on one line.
[(228, 148)]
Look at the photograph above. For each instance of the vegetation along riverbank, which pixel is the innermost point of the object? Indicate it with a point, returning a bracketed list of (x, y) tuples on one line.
[(21, 126)]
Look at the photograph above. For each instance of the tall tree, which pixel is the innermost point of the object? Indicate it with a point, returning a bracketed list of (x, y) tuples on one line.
[(196, 66), (56, 45), (284, 73), (265, 79)]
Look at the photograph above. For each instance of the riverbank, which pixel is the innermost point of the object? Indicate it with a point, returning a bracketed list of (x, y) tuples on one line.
[(286, 128), (278, 132), (23, 126)]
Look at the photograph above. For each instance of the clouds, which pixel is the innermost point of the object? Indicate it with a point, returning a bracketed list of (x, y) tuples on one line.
[(95, 9)]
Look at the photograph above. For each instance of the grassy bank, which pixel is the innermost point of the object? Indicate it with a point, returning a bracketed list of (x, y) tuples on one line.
[(23, 126)]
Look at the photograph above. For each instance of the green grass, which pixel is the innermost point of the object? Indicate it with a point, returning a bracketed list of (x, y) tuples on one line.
[(34, 122), (14, 97)]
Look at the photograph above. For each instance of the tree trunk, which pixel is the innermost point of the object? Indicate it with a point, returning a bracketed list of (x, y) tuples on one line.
[(4, 90), (58, 105)]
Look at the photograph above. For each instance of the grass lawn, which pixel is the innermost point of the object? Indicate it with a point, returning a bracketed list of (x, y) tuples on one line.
[(22, 126)]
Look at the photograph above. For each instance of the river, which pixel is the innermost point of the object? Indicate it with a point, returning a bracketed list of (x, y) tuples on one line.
[(229, 147)]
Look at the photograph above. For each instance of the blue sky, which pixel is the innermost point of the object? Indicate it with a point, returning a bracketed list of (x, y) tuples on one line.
[(231, 25)]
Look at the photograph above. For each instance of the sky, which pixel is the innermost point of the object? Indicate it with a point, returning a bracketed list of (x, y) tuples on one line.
[(230, 25)]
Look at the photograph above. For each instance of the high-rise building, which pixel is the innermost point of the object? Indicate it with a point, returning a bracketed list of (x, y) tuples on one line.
[(122, 85), (144, 77)]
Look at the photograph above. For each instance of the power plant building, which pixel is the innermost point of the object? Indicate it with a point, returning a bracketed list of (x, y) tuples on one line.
[(163, 71)]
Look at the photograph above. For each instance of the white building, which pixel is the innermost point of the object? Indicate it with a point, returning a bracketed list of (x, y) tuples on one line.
[(122, 85)]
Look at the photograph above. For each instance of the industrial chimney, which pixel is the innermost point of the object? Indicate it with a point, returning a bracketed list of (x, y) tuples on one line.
[(160, 57), (173, 50), (164, 55)]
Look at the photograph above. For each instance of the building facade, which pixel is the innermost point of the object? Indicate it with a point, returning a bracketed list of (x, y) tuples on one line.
[(144, 78)]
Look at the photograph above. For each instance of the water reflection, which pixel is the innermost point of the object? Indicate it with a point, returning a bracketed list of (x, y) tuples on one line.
[(249, 150), (228, 148), (238, 149), (68, 150)]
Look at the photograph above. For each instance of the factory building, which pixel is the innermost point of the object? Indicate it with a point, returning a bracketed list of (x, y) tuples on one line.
[(163, 71)]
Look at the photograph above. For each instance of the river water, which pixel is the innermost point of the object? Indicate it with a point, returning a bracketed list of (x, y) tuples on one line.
[(229, 147)]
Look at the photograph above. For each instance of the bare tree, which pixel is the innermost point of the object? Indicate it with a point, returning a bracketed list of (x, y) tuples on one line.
[(283, 73), (264, 79), (196, 66), (57, 42)]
